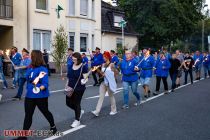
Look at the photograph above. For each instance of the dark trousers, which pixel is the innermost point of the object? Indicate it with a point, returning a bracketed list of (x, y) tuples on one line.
[(95, 77), (48, 68), (173, 79), (186, 75), (158, 80), (30, 105), (74, 102), (20, 88)]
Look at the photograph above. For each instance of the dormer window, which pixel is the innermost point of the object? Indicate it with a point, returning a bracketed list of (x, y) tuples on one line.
[(117, 20)]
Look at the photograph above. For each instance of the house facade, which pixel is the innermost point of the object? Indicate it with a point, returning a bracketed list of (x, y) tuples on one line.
[(32, 24), (112, 32)]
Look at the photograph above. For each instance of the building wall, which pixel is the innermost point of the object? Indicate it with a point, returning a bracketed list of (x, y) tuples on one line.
[(19, 25), (43, 20), (109, 41)]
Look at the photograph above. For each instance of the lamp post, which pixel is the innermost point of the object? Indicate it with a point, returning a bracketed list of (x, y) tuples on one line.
[(203, 29), (122, 25)]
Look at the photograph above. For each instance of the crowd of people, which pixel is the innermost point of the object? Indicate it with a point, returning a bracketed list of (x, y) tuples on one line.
[(133, 68)]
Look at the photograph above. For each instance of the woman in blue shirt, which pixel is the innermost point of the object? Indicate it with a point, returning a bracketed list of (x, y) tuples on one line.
[(37, 76), (130, 78), (162, 70)]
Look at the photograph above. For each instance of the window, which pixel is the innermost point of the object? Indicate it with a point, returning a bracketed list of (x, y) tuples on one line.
[(93, 9), (41, 40), (119, 42), (71, 7), (6, 8), (84, 7), (117, 20), (71, 40), (41, 4), (83, 42)]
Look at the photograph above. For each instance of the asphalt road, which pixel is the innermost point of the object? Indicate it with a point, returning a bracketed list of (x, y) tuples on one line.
[(182, 115)]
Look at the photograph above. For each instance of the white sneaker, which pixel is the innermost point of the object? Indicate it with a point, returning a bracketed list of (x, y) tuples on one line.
[(76, 123), (0, 97), (81, 113), (95, 113), (112, 113)]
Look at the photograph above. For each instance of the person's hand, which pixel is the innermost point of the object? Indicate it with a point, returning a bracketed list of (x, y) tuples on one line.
[(36, 80), (136, 68), (42, 74), (42, 88)]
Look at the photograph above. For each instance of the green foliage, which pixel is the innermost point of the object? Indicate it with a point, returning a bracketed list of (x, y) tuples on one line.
[(162, 21), (60, 46)]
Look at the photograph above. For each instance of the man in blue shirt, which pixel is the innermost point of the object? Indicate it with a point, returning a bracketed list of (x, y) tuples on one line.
[(46, 60), (206, 64), (16, 59), (69, 58), (198, 59), (25, 62), (1, 70), (130, 78), (85, 60), (97, 60), (114, 59)]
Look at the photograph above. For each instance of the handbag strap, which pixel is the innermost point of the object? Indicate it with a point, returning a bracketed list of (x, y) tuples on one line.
[(79, 77)]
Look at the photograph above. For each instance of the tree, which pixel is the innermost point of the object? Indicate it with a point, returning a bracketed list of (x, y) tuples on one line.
[(162, 21), (60, 46)]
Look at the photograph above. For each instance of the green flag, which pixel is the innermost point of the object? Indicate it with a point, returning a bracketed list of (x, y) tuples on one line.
[(59, 8)]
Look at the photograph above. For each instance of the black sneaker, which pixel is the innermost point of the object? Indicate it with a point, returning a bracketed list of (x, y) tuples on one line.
[(20, 138), (155, 93), (16, 98), (53, 130), (172, 90), (95, 84)]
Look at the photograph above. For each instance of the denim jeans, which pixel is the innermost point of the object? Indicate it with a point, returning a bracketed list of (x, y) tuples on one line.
[(173, 79), (3, 79), (134, 86), (206, 71), (16, 77), (21, 84)]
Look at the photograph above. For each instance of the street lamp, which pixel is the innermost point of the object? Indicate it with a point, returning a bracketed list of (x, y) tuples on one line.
[(203, 28)]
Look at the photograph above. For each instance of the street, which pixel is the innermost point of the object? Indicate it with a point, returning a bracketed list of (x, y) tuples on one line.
[(179, 115)]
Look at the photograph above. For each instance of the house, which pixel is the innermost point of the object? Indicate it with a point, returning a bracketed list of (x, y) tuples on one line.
[(111, 16), (32, 24)]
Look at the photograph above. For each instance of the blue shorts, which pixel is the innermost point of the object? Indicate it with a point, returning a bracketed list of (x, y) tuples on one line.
[(145, 81)]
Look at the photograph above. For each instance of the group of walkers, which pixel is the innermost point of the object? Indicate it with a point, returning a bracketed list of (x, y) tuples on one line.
[(105, 68)]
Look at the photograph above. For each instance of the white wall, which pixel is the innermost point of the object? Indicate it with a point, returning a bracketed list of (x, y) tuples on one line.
[(109, 41)]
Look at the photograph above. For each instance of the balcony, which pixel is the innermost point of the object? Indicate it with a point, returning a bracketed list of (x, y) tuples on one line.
[(6, 9)]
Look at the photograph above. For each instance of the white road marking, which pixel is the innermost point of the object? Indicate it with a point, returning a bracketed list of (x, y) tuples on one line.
[(118, 91), (66, 132)]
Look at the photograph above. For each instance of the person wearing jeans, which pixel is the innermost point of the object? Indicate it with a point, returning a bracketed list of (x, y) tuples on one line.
[(16, 59), (25, 62), (188, 69), (162, 71), (1, 71), (130, 78), (175, 64), (206, 64)]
